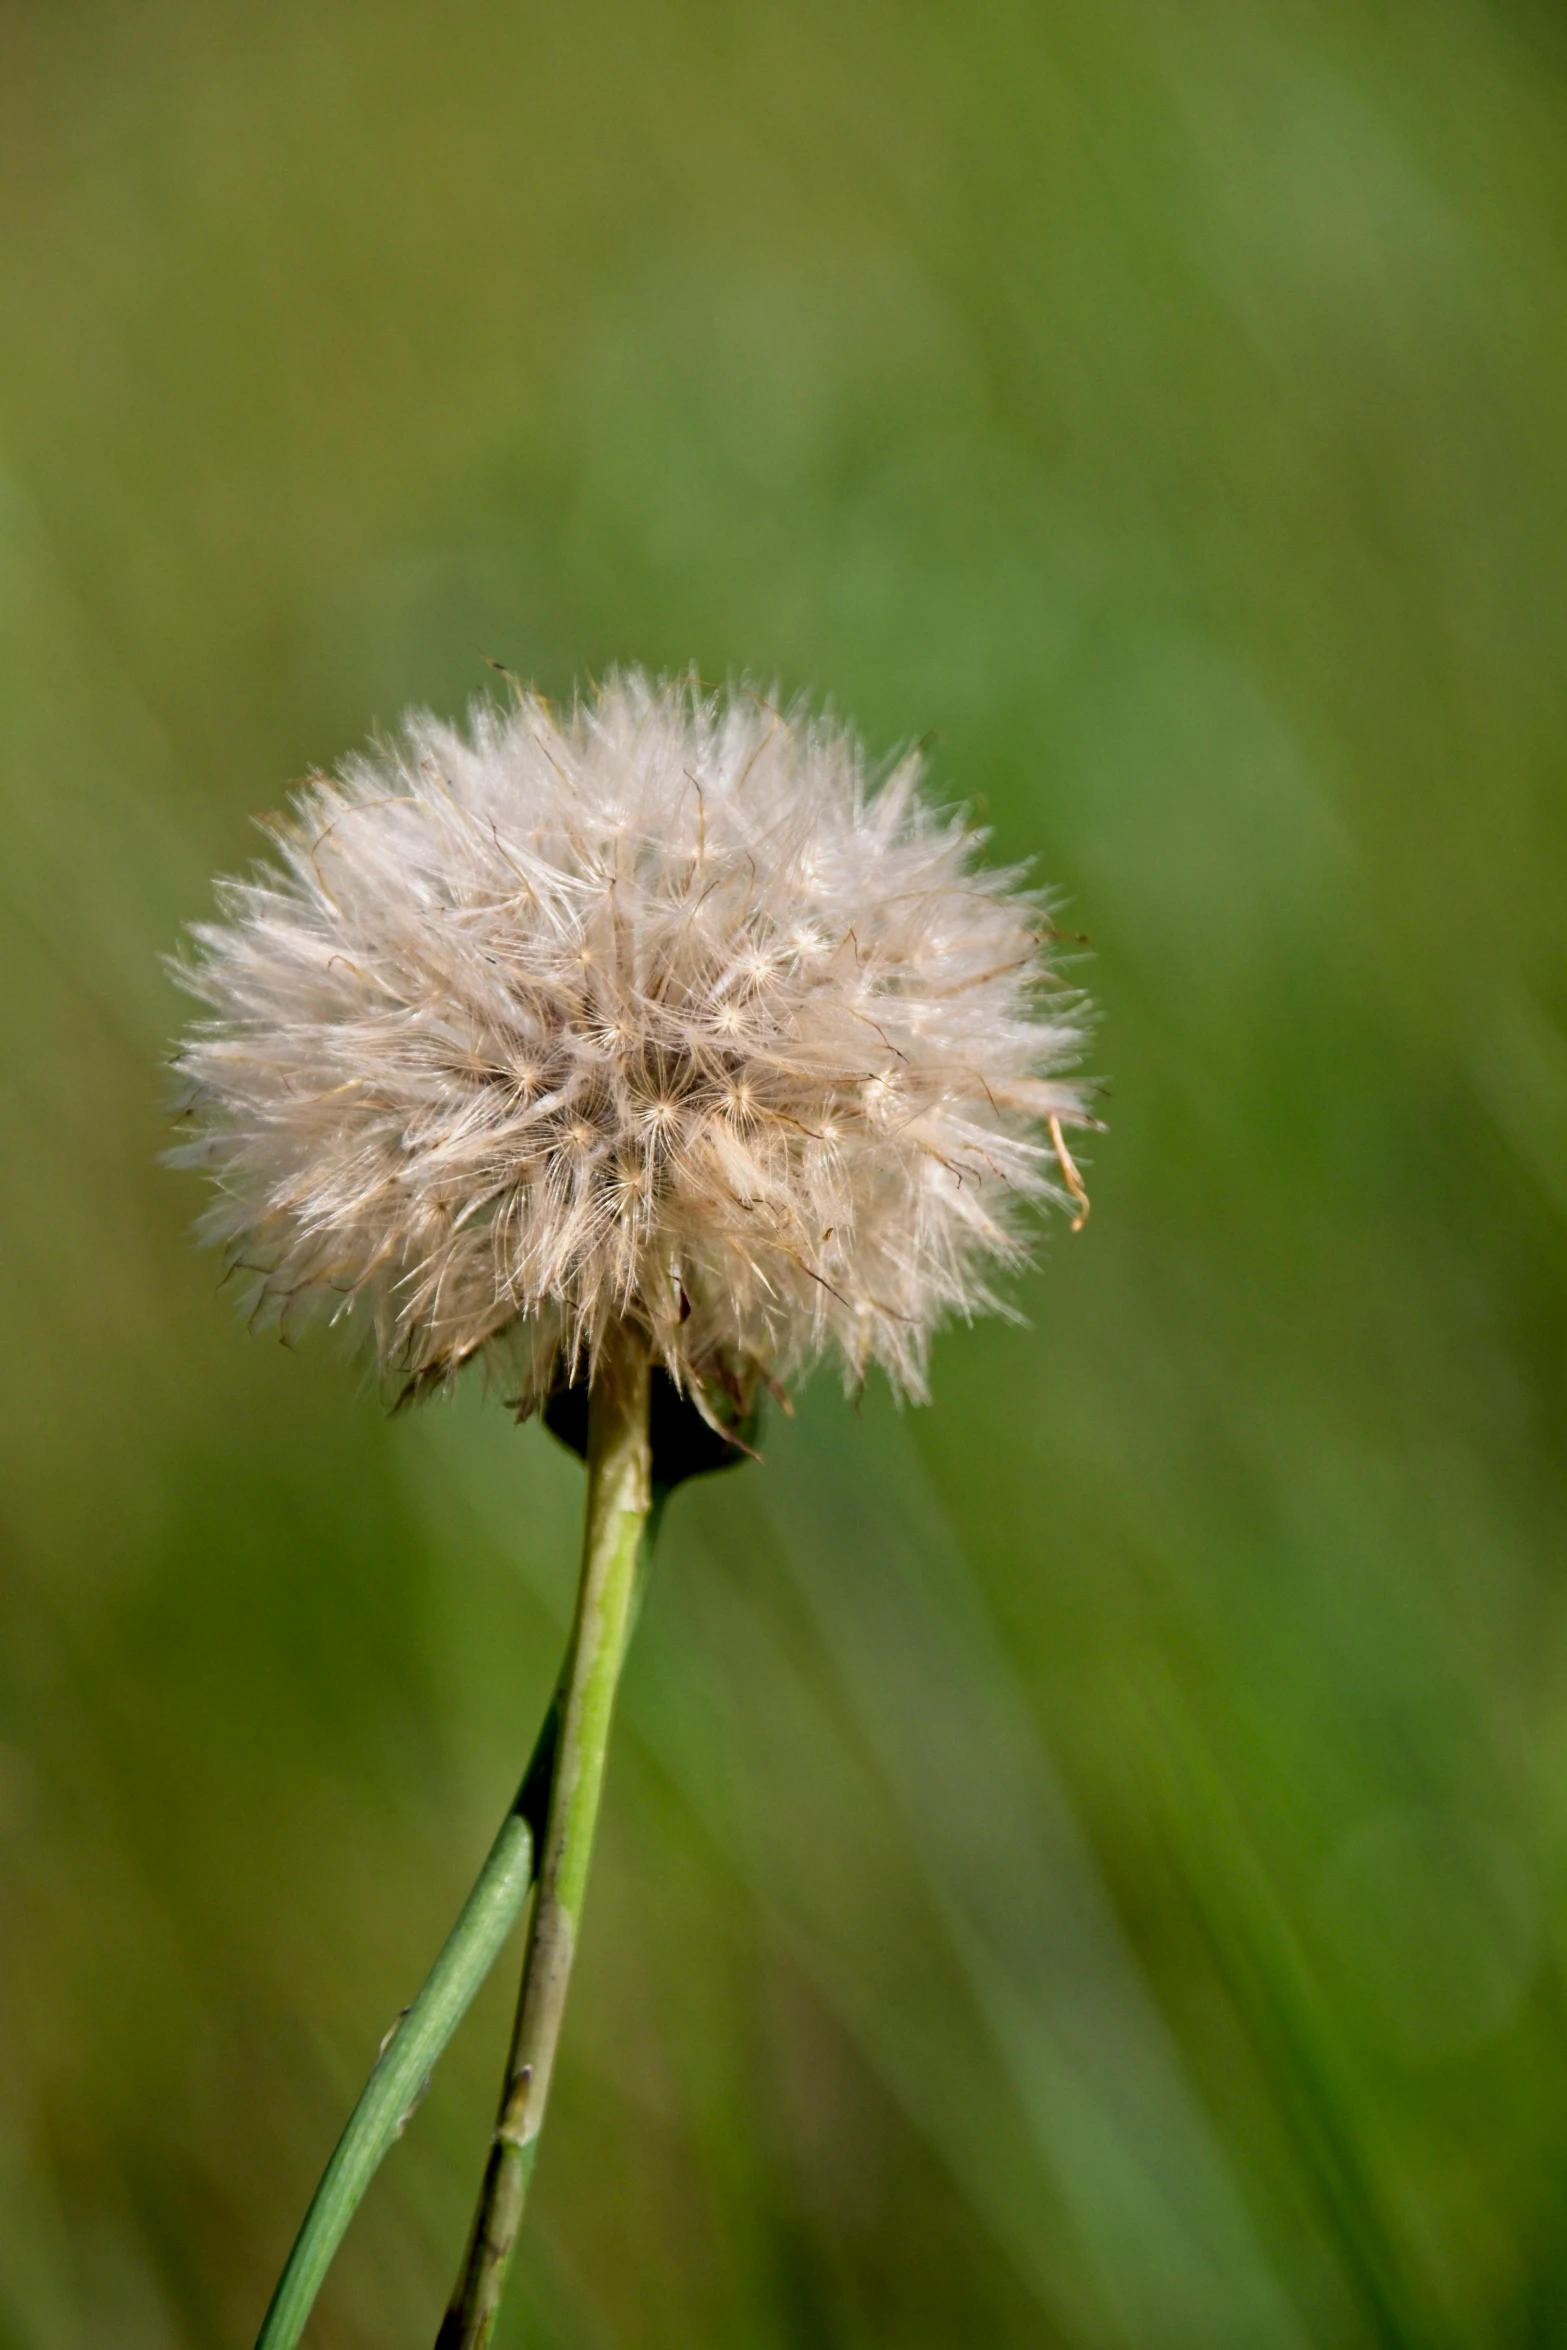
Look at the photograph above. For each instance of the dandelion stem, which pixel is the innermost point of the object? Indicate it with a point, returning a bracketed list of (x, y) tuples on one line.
[(415, 2042), (615, 1544)]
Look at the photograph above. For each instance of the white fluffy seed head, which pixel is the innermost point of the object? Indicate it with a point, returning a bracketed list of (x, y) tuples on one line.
[(651, 1012)]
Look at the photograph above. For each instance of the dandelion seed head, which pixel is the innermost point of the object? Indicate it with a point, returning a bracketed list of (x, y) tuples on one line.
[(655, 1010)]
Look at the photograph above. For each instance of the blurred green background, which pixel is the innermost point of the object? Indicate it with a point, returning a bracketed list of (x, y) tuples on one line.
[(1084, 1864)]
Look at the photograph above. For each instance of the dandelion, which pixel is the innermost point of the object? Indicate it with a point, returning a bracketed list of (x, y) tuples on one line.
[(653, 1016), (646, 1052)]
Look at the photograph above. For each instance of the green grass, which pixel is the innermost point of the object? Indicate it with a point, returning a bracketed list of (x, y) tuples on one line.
[(1084, 1863)]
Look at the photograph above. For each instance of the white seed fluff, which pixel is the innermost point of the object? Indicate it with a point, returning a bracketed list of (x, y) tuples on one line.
[(655, 1011)]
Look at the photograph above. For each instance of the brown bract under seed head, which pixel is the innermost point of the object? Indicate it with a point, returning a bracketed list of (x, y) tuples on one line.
[(655, 1012)]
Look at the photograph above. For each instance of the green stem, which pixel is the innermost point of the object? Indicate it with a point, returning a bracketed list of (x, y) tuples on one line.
[(413, 2046), (615, 1543)]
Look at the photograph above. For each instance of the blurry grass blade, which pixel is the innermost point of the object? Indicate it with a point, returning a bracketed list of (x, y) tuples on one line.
[(1272, 1986), (1049, 1970)]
